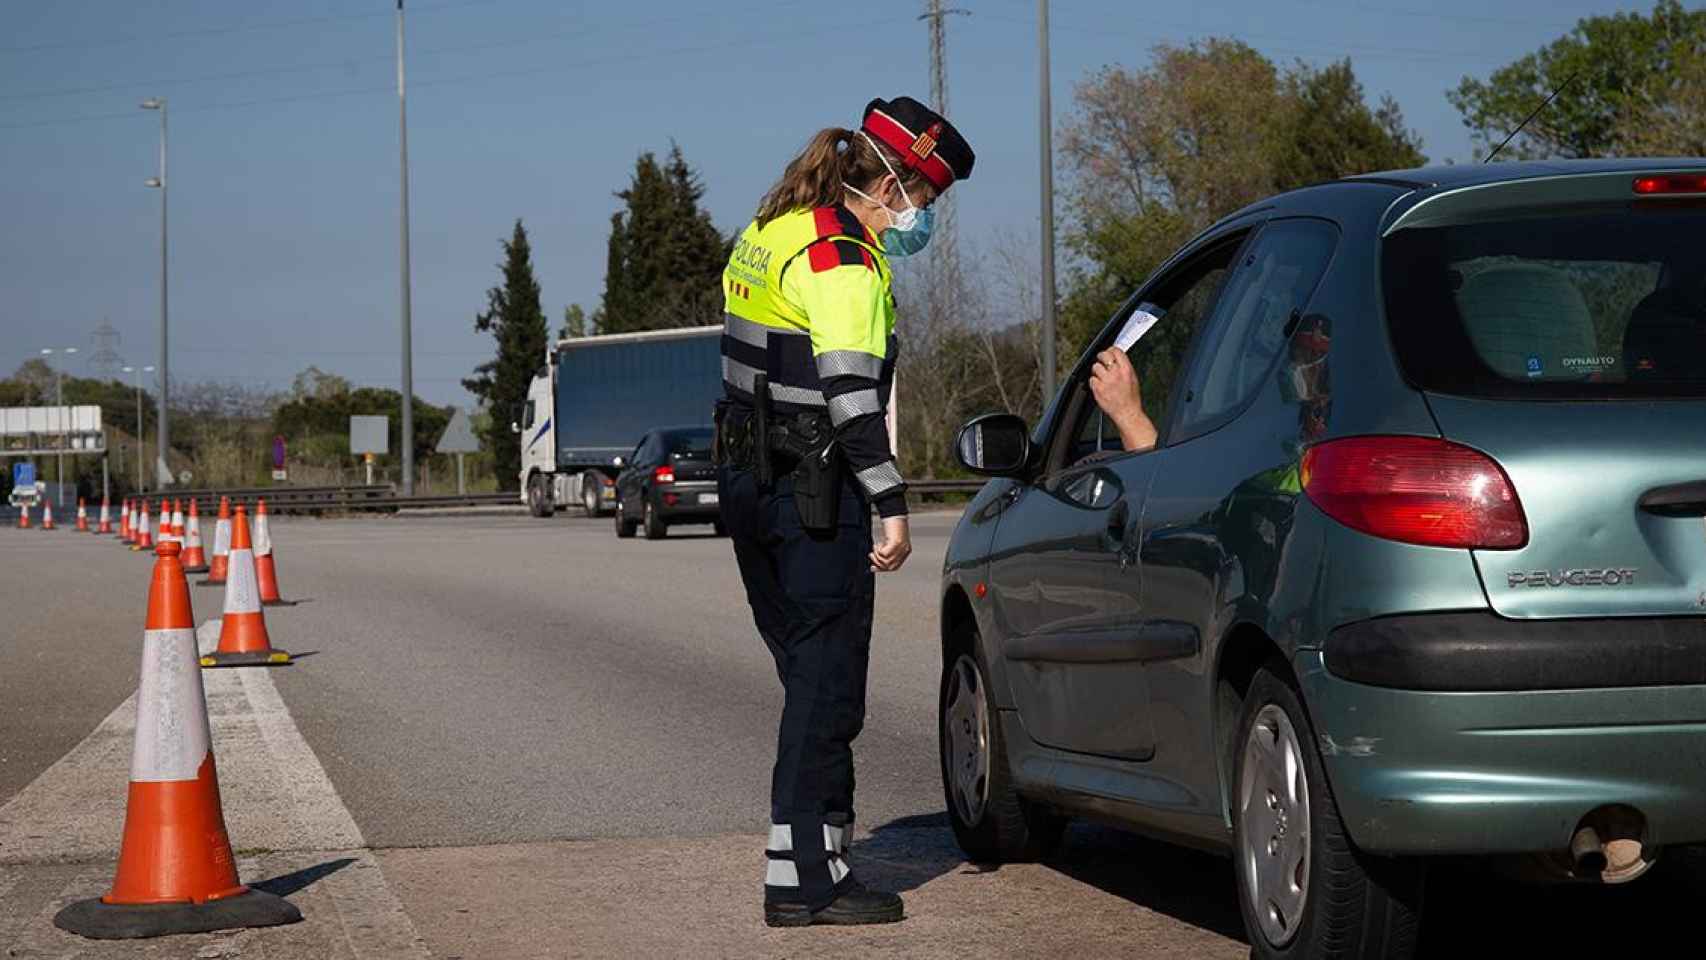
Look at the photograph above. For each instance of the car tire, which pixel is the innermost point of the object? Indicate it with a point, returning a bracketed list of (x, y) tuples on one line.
[(991, 822), (1318, 896), (624, 526), (590, 491), (656, 529), (539, 501)]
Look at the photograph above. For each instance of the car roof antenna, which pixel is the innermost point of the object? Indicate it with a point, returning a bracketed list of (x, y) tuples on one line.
[(1544, 104)]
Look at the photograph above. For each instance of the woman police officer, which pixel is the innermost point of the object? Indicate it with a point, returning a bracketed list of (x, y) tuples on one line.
[(804, 453)]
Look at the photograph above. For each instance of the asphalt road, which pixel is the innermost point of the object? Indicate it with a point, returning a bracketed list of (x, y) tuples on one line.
[(524, 695)]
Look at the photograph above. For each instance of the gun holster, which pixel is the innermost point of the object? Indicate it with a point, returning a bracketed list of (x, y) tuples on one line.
[(810, 439)]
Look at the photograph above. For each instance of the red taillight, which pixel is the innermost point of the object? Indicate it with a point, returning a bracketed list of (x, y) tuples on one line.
[(664, 474), (1671, 183), (1416, 490)]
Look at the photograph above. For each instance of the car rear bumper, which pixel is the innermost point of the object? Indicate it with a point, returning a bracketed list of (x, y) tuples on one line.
[(1495, 772), (689, 505)]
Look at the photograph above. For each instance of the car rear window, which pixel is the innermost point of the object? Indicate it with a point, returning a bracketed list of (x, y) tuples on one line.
[(1573, 303), (691, 445)]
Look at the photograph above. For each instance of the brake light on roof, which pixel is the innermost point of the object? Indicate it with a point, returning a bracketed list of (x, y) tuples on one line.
[(663, 474), (1417, 490), (1670, 183)]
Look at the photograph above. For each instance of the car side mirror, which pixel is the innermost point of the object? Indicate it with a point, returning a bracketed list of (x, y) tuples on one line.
[(995, 445), (514, 427)]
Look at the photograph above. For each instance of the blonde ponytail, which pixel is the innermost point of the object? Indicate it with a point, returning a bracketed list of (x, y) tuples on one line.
[(833, 157)]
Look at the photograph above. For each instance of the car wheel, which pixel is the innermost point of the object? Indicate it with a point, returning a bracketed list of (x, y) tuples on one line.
[(1304, 889), (590, 489), (656, 529), (991, 822), (624, 526), (539, 496)]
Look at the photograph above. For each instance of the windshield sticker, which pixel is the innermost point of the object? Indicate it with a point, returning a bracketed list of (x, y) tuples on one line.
[(1589, 364), (1535, 367), (1141, 320)]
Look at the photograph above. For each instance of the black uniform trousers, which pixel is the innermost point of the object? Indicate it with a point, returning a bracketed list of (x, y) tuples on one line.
[(811, 595)]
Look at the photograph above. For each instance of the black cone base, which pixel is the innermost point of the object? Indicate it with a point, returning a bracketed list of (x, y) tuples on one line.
[(210, 583), (132, 921), (278, 603), (200, 569), (260, 658)]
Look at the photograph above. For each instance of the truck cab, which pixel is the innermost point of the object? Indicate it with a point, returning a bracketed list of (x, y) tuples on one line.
[(596, 396)]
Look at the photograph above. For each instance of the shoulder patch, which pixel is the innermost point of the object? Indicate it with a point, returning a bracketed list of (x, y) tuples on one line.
[(829, 254), (837, 222)]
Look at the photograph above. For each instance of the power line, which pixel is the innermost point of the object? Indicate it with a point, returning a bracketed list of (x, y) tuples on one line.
[(226, 30), (347, 62), (743, 43)]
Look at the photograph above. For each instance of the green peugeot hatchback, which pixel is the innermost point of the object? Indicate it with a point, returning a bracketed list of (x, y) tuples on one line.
[(1417, 567)]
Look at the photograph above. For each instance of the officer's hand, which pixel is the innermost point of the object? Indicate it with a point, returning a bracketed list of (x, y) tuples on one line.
[(895, 548)]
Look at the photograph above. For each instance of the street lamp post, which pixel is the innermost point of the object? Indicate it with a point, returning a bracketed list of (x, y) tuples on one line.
[(139, 373), (163, 470), (1045, 125), (59, 413), (403, 226)]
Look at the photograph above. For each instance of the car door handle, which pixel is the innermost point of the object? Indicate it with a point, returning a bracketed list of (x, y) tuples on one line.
[(1117, 516)]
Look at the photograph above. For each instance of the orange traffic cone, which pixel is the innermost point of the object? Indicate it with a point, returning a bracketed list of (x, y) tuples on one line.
[(82, 516), (194, 560), (23, 516), (144, 538), (243, 640), (132, 534), (175, 870), (178, 524), (221, 546), (106, 525), (163, 526), (47, 514), (124, 520), (264, 569)]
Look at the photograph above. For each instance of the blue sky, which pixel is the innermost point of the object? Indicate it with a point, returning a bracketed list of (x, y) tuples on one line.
[(284, 143)]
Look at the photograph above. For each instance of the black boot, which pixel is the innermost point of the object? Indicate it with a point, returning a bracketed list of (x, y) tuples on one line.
[(855, 905)]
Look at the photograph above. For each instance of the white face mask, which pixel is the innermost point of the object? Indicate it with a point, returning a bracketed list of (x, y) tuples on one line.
[(904, 220)]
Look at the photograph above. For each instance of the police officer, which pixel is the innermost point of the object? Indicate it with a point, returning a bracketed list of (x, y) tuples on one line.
[(803, 445)]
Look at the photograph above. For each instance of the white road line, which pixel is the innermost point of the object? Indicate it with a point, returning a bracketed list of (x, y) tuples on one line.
[(281, 811)]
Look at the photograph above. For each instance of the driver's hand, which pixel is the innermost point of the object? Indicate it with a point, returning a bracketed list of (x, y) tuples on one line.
[(1113, 382)]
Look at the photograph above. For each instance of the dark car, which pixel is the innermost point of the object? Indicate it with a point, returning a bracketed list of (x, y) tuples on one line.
[(1415, 570), (668, 480)]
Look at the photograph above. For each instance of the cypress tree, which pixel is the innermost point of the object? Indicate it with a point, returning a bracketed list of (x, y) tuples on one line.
[(516, 321), (666, 257)]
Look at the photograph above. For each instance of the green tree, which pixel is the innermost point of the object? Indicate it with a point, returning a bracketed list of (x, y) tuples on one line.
[(1670, 119), (1155, 155), (1330, 130), (516, 321), (1618, 66), (574, 321), (666, 257)]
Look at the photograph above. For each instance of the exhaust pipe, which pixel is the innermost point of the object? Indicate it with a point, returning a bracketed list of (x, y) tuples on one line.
[(1587, 852), (1608, 846)]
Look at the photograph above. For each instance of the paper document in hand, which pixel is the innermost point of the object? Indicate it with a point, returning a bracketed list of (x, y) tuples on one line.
[(1138, 324)]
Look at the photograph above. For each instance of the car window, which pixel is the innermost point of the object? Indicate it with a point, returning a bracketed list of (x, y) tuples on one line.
[(639, 456), (690, 444), (1566, 303), (1183, 299), (527, 416), (1276, 276)]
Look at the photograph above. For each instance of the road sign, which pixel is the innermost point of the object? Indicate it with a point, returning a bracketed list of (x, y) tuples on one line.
[(277, 453), (458, 435), (23, 474), (280, 475), (369, 435)]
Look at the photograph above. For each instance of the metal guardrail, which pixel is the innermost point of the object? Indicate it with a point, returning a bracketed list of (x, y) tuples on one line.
[(384, 497)]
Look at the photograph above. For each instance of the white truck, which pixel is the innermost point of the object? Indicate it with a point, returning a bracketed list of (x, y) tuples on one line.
[(595, 397)]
